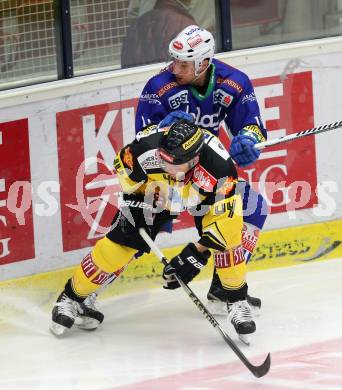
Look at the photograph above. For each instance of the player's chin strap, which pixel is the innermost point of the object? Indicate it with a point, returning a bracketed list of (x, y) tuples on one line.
[(300, 134), (257, 371)]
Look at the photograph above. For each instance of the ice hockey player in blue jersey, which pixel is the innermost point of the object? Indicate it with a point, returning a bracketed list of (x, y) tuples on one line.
[(197, 87)]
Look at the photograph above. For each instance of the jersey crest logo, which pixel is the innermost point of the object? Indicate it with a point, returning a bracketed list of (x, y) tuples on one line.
[(203, 179)]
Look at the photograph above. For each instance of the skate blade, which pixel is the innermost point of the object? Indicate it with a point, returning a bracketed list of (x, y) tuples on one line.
[(245, 338), (217, 308), (57, 329), (86, 323)]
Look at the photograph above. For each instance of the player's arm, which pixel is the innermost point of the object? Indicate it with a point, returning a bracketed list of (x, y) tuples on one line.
[(245, 124), (151, 109), (129, 172)]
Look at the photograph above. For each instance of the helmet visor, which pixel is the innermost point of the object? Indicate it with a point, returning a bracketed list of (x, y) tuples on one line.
[(181, 68)]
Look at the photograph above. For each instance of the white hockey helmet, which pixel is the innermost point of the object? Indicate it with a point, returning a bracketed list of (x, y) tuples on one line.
[(193, 44)]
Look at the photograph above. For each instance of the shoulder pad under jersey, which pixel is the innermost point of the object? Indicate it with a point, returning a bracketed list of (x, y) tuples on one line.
[(215, 144)]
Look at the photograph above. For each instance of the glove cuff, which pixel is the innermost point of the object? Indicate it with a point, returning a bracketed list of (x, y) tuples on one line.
[(202, 255), (254, 132)]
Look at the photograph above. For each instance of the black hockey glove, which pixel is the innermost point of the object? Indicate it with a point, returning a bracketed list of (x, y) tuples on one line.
[(186, 265), (134, 214)]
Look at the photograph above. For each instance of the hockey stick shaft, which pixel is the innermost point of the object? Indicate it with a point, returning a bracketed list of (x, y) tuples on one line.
[(300, 134), (257, 371)]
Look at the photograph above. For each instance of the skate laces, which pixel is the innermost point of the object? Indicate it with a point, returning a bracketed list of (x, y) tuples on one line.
[(90, 301), (67, 306), (239, 312)]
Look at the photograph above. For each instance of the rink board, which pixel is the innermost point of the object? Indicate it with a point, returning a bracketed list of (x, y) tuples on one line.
[(281, 248), (58, 141)]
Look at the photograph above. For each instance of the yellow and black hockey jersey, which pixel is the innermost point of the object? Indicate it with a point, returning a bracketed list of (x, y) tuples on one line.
[(207, 191)]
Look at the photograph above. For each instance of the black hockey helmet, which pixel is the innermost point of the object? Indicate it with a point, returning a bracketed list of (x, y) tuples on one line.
[(181, 143)]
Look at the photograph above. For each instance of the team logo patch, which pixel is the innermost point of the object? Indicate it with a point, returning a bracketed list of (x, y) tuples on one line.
[(203, 179), (177, 45), (128, 158)]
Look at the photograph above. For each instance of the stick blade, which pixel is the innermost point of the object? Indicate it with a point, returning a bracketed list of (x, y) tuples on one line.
[(263, 369)]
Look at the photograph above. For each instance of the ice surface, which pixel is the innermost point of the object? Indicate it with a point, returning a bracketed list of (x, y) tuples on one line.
[(159, 340)]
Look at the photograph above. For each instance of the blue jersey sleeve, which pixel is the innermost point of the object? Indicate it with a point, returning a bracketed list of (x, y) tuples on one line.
[(245, 112), (150, 108)]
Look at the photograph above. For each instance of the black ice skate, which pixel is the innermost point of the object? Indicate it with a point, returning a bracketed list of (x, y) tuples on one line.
[(217, 299), (68, 312), (240, 315), (89, 317), (254, 302), (63, 314)]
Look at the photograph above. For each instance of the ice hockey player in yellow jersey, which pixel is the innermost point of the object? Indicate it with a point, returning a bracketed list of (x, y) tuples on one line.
[(163, 172)]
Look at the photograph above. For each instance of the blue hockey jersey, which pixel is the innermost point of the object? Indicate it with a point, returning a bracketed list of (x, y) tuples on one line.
[(229, 97)]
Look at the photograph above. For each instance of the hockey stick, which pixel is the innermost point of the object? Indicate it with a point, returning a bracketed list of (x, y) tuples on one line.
[(257, 371), (300, 134)]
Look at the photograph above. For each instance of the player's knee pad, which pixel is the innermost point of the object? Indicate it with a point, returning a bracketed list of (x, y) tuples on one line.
[(105, 262), (231, 268)]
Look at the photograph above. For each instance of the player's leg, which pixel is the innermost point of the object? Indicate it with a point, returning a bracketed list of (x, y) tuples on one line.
[(75, 305), (221, 230), (105, 262), (254, 215), (230, 266)]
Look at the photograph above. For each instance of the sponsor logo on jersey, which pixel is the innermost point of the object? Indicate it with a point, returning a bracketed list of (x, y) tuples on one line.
[(230, 83), (248, 98), (223, 98), (128, 158), (203, 179), (88, 266), (229, 258), (187, 145), (249, 238), (166, 88), (210, 122), (149, 159), (152, 98), (228, 186), (194, 41), (179, 98), (135, 203), (177, 45)]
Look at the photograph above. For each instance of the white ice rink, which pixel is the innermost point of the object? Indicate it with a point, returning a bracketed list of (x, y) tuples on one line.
[(159, 340)]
